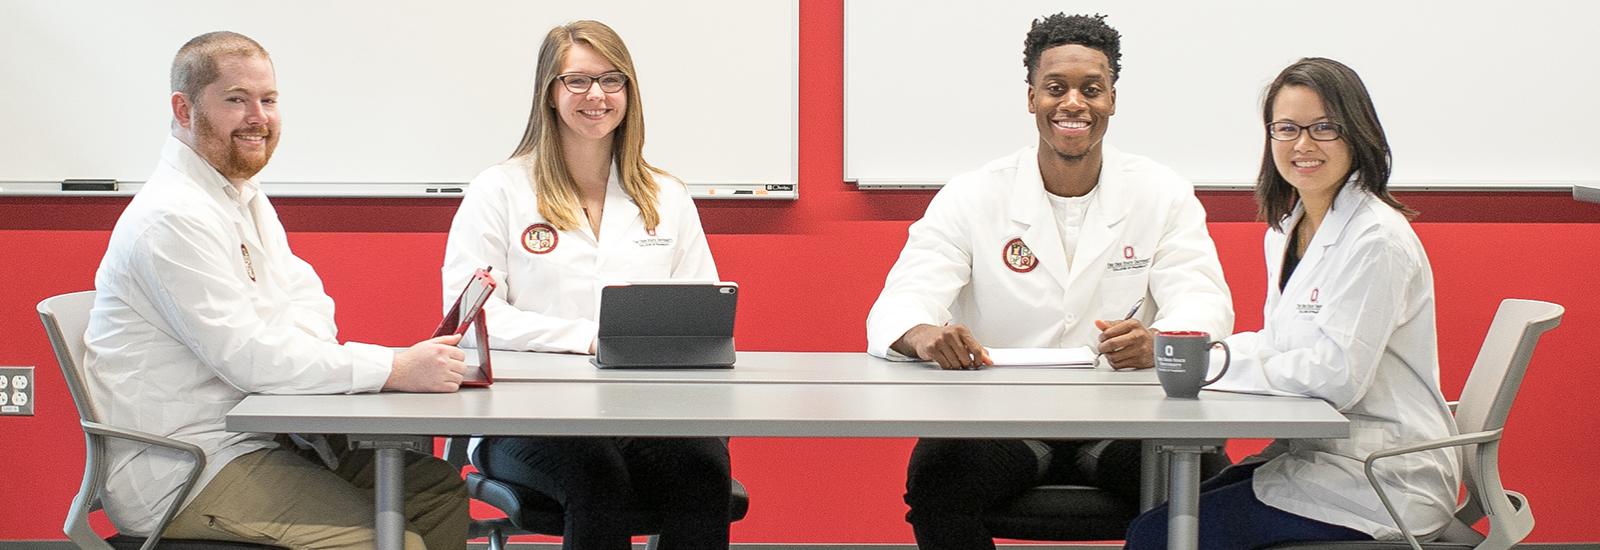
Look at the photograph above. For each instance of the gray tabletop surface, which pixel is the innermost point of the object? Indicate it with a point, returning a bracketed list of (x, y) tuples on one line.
[(802, 368), (796, 410)]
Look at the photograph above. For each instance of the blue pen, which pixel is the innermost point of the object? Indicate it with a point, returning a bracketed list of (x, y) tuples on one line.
[(1135, 309), (1131, 312)]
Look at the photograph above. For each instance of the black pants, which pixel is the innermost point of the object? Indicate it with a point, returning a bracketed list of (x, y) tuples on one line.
[(952, 482), (596, 478)]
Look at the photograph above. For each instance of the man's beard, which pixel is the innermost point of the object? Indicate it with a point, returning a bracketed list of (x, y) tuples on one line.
[(219, 149)]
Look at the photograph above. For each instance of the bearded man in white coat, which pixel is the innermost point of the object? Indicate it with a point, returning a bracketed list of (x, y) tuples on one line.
[(199, 302), (1049, 247)]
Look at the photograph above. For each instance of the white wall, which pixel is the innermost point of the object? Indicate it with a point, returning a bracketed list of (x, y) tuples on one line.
[(1474, 93), (393, 91)]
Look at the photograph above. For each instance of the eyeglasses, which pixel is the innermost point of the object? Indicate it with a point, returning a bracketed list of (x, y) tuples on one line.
[(580, 83), (1289, 131)]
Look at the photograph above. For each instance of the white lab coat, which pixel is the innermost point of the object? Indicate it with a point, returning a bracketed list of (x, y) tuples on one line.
[(1144, 235), (550, 301), (1354, 327), (180, 333)]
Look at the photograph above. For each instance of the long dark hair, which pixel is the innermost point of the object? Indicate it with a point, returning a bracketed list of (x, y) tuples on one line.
[(1348, 104)]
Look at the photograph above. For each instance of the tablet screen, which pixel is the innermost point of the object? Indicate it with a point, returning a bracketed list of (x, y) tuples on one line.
[(465, 311), (472, 299)]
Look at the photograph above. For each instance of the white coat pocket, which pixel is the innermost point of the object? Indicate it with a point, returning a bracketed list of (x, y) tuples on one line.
[(1117, 294)]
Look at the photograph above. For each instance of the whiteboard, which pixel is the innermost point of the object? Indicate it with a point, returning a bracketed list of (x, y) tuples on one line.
[(383, 92), (1472, 93)]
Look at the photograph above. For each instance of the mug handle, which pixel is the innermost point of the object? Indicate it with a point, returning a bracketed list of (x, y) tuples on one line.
[(1227, 357)]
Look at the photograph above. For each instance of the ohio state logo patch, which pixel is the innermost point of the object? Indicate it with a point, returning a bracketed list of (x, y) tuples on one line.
[(540, 238), (1018, 256), (1311, 307)]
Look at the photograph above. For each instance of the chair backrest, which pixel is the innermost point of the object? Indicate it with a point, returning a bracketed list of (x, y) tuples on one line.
[(65, 319), (1502, 361), (1485, 403)]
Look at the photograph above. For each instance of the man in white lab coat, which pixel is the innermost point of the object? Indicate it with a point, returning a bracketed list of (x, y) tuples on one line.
[(1063, 244), (200, 302)]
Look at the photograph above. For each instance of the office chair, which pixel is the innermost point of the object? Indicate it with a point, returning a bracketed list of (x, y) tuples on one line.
[(1480, 419), (530, 511), (1062, 513), (65, 317), (1075, 512)]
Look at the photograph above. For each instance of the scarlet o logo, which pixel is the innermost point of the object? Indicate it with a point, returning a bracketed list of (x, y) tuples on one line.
[(1314, 293), (1127, 253)]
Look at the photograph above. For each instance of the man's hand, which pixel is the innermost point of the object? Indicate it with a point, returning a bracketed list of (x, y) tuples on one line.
[(951, 346), (434, 365), (1126, 344)]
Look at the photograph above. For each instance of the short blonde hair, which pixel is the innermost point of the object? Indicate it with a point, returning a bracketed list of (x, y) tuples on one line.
[(196, 65)]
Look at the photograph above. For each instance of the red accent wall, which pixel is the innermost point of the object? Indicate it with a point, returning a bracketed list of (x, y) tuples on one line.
[(810, 270)]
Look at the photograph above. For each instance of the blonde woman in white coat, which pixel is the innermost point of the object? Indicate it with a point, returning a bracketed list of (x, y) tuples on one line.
[(1349, 319), (574, 208)]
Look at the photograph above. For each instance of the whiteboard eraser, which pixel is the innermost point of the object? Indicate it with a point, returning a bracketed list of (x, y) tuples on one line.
[(88, 185)]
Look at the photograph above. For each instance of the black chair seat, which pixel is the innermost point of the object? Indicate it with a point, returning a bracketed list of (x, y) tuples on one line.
[(127, 542), (536, 512), (1062, 512)]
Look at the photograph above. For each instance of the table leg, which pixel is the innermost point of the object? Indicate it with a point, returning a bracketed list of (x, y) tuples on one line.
[(389, 483), (1183, 511), (1152, 478), (1183, 494), (390, 489)]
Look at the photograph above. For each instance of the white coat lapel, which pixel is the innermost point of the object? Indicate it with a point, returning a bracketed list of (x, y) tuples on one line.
[(202, 174), (1102, 224), (1329, 234), (1031, 216), (1276, 244), (259, 237), (621, 212)]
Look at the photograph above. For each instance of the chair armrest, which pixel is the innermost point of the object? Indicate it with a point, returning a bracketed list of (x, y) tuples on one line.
[(197, 456), (144, 437), (1441, 443)]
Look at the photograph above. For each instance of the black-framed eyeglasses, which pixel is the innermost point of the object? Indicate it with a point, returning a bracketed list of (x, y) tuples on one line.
[(580, 83), (1288, 131)]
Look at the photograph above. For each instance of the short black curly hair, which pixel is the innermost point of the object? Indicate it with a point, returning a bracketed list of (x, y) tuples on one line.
[(1061, 29)]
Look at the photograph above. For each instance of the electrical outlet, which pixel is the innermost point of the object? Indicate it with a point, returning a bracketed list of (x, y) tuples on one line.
[(16, 391)]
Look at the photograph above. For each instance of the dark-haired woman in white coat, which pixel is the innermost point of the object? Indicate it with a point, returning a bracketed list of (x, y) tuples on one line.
[(1349, 319)]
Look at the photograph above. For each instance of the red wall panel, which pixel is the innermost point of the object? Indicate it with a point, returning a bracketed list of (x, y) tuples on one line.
[(810, 270)]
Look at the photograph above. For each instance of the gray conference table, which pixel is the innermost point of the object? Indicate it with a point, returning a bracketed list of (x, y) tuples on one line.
[(773, 367), (391, 422)]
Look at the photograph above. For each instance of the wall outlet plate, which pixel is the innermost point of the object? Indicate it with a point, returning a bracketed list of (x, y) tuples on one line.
[(16, 391)]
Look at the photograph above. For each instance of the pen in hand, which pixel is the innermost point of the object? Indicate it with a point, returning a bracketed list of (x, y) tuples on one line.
[(1131, 312)]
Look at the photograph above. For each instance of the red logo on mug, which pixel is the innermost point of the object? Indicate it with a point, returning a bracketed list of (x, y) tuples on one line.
[(1127, 253)]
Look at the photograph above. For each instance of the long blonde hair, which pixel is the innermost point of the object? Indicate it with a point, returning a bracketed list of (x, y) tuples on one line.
[(541, 144)]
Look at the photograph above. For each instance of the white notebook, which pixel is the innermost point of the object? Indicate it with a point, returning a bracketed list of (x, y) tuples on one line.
[(1078, 357)]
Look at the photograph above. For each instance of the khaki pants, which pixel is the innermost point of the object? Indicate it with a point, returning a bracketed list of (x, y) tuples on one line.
[(279, 497)]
